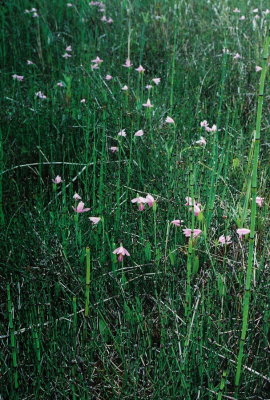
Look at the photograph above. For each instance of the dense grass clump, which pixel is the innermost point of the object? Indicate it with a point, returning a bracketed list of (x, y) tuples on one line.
[(151, 118)]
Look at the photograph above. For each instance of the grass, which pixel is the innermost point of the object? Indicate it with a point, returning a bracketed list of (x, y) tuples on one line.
[(180, 318)]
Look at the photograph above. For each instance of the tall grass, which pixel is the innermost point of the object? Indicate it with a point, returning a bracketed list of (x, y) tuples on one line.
[(181, 317)]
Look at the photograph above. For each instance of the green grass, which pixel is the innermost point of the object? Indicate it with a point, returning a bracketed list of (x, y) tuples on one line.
[(179, 318)]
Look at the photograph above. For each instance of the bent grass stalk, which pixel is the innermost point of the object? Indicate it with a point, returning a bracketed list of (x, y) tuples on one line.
[(253, 178)]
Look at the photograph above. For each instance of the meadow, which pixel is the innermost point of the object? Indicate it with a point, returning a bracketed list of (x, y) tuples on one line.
[(134, 200)]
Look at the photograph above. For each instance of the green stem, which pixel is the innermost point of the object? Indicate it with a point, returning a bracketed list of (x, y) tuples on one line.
[(249, 271)]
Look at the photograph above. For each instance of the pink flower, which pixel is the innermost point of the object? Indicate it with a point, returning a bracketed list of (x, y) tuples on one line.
[(68, 48), (113, 149), (35, 15), (109, 20), (242, 231), (124, 88), (194, 206), (60, 84), (127, 64), (121, 252), (66, 55), (150, 200), (259, 201), (188, 232), (76, 196), (69, 5), (242, 18), (204, 124), (236, 56), (213, 129), (94, 66), (201, 142), (177, 222), (29, 62), (95, 220), (18, 77), (236, 10), (225, 239), (83, 101), (169, 120), (255, 10), (257, 68), (156, 81), (148, 87), (139, 133), (80, 208), (57, 180), (33, 10), (122, 133), (97, 60), (140, 69), (103, 18), (148, 104), (108, 77), (40, 95), (140, 201)]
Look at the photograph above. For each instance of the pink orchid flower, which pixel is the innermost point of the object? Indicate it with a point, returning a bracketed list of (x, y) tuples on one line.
[(236, 10), (139, 133), (177, 222), (213, 129), (66, 55), (113, 149), (125, 87), (97, 60), (95, 220), (68, 48), (82, 101), (148, 87), (80, 208), (188, 232), (18, 77), (40, 95), (127, 64), (150, 200), (122, 133), (140, 201), (95, 66), (148, 104), (76, 196), (259, 201), (204, 124), (236, 56), (140, 69), (108, 77), (194, 206), (109, 20), (156, 81), (60, 84), (103, 18), (169, 120), (225, 239), (242, 18), (57, 180), (121, 252), (201, 141), (29, 62), (242, 231), (258, 68)]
